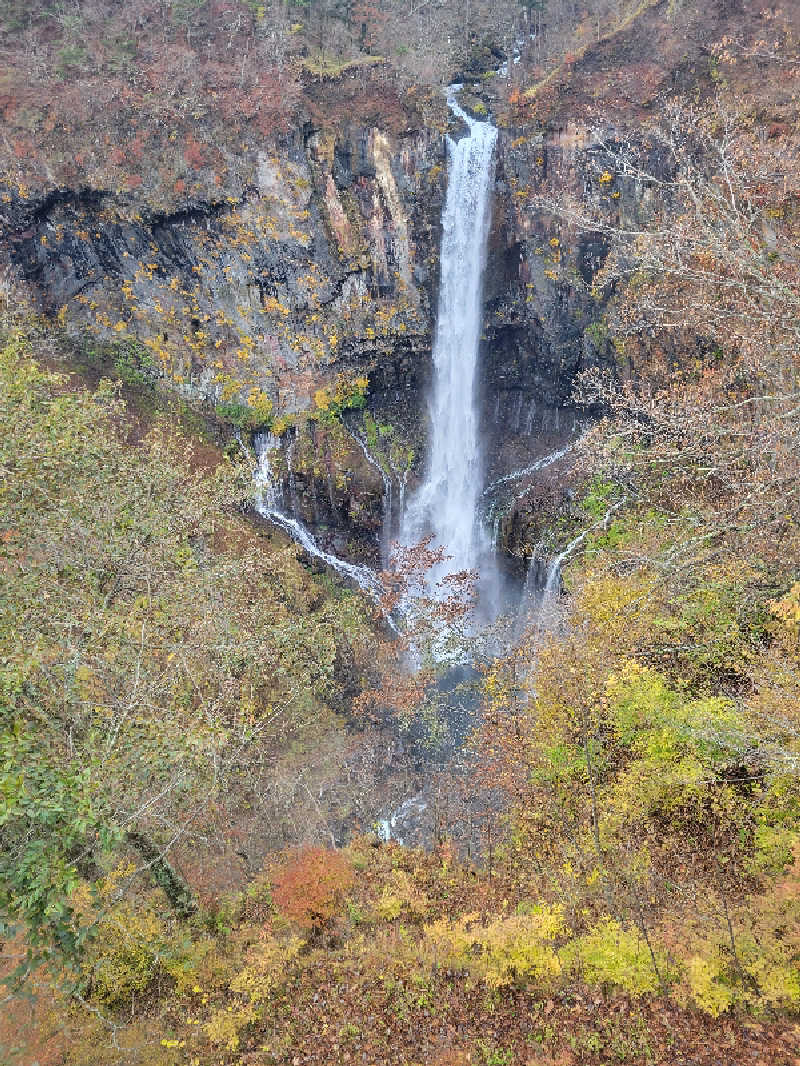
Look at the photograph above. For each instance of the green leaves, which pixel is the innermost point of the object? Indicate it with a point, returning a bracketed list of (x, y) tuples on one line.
[(50, 818), (151, 650)]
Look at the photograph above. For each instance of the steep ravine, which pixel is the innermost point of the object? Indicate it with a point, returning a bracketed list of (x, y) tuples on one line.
[(307, 303)]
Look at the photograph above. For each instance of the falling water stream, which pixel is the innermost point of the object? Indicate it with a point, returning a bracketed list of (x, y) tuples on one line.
[(446, 504), (268, 505)]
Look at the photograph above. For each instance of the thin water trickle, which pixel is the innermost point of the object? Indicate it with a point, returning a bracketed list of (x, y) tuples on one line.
[(540, 464), (386, 532), (268, 504)]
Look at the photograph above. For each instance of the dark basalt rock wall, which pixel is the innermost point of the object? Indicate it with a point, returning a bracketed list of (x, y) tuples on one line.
[(545, 318), (326, 270)]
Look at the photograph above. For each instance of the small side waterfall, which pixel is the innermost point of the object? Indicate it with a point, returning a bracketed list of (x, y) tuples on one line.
[(388, 502), (540, 464), (446, 504), (552, 585), (268, 505), (543, 581)]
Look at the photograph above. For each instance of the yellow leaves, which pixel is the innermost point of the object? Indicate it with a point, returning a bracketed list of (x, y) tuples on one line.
[(606, 177), (611, 954), (605, 601), (496, 689), (120, 327), (347, 392), (260, 404), (266, 965), (274, 306), (131, 939), (708, 988), (787, 609), (503, 951), (765, 972), (225, 1025), (401, 898)]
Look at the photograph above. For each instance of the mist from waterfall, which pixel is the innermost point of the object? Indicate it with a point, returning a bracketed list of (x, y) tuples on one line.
[(446, 504)]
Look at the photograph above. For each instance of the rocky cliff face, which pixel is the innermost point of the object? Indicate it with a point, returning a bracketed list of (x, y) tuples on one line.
[(545, 315), (272, 250), (282, 304), (302, 298)]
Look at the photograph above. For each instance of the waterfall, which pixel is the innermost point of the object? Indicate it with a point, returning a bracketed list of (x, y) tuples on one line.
[(543, 594), (540, 464), (446, 504), (268, 504), (386, 532)]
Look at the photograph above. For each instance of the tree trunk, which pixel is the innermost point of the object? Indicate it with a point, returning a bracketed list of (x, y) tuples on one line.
[(177, 891)]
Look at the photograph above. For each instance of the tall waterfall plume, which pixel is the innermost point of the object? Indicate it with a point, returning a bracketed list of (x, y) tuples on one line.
[(446, 504)]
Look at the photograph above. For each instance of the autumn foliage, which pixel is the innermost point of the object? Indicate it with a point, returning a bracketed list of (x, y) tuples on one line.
[(311, 887)]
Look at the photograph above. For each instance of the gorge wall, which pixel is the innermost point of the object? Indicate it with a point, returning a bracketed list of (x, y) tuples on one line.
[(276, 300), (296, 290)]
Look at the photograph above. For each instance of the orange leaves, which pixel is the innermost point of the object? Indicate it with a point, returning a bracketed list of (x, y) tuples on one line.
[(311, 888)]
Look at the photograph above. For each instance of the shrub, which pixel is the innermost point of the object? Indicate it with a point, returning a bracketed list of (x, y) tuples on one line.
[(347, 393), (503, 951), (263, 974), (133, 363), (127, 944), (310, 889), (611, 955), (709, 986), (400, 898)]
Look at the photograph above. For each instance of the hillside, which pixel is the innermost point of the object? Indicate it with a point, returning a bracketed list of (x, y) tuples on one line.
[(273, 789)]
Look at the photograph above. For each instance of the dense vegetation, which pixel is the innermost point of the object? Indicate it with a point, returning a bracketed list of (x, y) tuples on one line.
[(174, 684)]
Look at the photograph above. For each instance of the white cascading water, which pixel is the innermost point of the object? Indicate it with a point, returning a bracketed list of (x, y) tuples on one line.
[(534, 468), (268, 505), (446, 504)]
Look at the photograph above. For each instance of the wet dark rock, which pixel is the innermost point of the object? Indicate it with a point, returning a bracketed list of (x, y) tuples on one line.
[(358, 211)]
